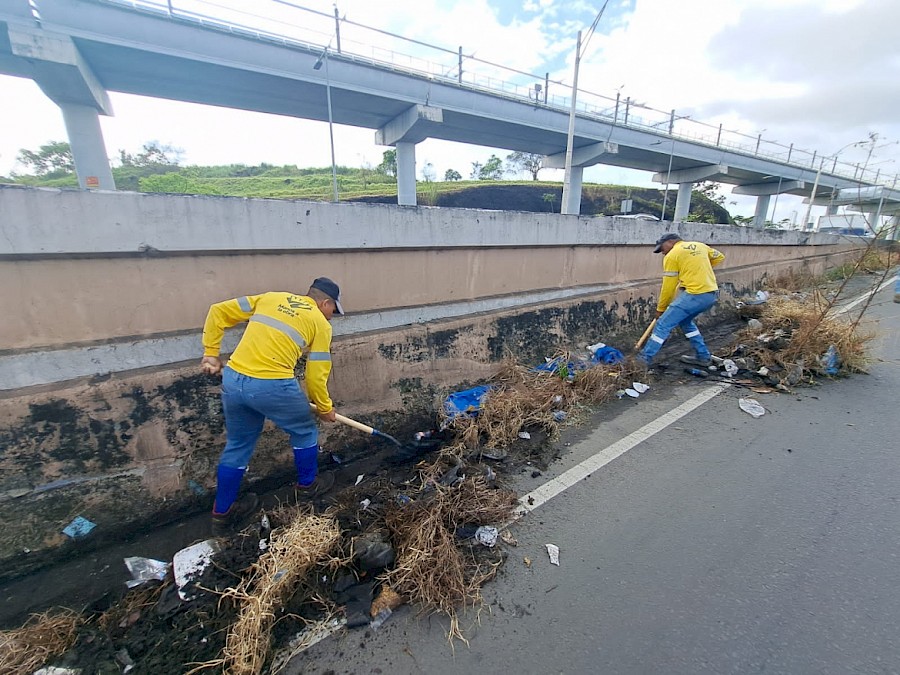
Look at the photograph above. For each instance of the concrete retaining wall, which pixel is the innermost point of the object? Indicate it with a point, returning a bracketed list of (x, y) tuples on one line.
[(105, 294)]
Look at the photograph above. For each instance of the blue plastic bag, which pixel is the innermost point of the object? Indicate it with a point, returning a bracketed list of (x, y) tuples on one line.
[(466, 402)]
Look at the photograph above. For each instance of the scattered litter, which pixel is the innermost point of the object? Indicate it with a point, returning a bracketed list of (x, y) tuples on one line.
[(304, 640), (423, 435), (364, 504), (336, 458), (487, 536), (525, 435), (190, 562), (359, 479), (196, 488), (372, 552), (380, 618), (595, 347), (496, 454), (830, 361), (696, 372), (467, 402), (632, 393), (751, 406), (620, 393), (730, 367), (608, 355), (762, 372), (403, 500), (507, 538), (762, 390), (388, 598), (640, 387), (553, 552), (79, 527), (489, 474), (527, 561), (55, 670), (755, 324), (557, 399), (145, 569), (559, 415)]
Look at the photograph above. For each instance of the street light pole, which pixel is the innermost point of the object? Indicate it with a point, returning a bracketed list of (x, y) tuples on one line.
[(317, 66), (812, 195), (570, 138)]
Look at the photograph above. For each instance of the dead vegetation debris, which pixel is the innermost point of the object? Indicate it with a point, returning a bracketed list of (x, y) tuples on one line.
[(43, 637)]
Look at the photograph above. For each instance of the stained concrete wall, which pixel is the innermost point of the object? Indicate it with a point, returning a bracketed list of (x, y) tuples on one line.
[(105, 294)]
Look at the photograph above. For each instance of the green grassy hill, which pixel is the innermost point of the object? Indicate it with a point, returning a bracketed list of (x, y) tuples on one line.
[(368, 185)]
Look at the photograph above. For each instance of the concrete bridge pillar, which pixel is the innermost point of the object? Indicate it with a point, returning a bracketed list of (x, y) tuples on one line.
[(762, 208), (88, 148), (683, 201), (406, 174), (573, 203)]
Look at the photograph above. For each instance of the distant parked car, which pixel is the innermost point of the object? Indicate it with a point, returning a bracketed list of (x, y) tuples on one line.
[(639, 216)]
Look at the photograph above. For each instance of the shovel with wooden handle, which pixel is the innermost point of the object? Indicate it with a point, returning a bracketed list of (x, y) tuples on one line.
[(643, 338), (365, 428)]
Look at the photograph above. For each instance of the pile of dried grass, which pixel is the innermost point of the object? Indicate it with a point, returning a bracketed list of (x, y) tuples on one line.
[(522, 397), (811, 330), (43, 637), (431, 567), (294, 550)]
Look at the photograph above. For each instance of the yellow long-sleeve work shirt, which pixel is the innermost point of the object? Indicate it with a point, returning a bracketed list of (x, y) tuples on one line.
[(689, 265), (281, 328)]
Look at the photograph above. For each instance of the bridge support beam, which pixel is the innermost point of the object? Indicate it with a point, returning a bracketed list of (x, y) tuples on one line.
[(406, 174), (57, 66), (683, 201), (587, 155), (404, 131), (88, 148), (686, 179), (762, 208)]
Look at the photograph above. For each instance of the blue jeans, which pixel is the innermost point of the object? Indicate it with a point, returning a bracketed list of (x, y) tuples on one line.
[(682, 312), (248, 401)]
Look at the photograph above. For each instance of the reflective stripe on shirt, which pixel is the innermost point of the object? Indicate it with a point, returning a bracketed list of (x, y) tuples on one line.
[(318, 356), (244, 304), (281, 326)]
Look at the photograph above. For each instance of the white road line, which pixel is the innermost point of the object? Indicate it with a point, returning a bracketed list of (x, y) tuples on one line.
[(862, 298), (554, 487)]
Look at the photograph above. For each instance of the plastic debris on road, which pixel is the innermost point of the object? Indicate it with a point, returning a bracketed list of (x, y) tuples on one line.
[(190, 562), (145, 569), (380, 618), (487, 536), (359, 479), (830, 361), (525, 435), (79, 527), (364, 504), (559, 415), (752, 407), (466, 402), (553, 552), (507, 538), (730, 367), (640, 387), (632, 393)]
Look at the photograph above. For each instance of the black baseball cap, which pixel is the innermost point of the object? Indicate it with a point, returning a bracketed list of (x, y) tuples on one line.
[(668, 236), (331, 289)]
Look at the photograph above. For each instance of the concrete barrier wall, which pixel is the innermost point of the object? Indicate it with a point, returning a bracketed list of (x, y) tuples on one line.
[(105, 294)]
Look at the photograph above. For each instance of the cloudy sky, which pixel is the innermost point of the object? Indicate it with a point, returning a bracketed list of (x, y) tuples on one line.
[(820, 74)]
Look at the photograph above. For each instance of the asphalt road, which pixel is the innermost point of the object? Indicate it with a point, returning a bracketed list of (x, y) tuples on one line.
[(723, 544)]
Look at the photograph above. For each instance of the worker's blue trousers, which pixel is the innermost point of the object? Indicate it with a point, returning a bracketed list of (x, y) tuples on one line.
[(247, 402), (682, 312)]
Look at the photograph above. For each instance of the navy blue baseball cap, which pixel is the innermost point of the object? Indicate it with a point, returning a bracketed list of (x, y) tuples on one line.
[(331, 289), (668, 236)]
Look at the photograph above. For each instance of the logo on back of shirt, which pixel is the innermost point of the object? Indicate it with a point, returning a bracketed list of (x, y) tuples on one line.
[(294, 302)]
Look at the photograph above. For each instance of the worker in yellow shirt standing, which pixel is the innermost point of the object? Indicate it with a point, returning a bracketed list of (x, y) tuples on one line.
[(689, 265), (259, 383)]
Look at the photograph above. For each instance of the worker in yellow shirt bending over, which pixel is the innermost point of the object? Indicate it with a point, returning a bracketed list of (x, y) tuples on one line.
[(687, 264), (259, 383)]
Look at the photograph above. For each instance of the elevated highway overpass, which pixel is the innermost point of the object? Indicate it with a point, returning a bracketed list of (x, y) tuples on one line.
[(78, 50)]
